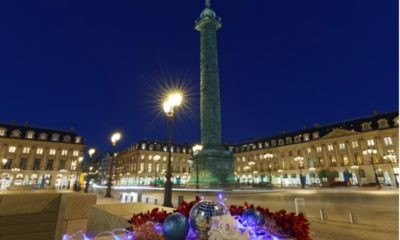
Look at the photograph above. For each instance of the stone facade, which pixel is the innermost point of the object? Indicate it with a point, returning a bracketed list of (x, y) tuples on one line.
[(46, 158), (146, 161), (324, 154)]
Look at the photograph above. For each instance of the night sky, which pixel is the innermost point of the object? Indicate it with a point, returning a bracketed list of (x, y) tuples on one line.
[(100, 65)]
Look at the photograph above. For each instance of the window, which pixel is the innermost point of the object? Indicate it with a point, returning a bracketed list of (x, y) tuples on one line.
[(43, 136), (141, 167), (75, 153), (306, 137), (266, 144), (142, 157), (309, 150), (354, 144), (273, 143), (62, 164), (330, 147), (36, 164), (78, 139), (52, 152), (332, 160), (388, 141), (23, 163), (49, 165), (358, 159), (383, 123), (281, 142), (342, 146), (12, 149), (345, 160), (288, 140), (55, 137), (73, 166), (16, 133), (8, 164), (149, 166), (259, 145), (39, 151), (67, 138), (319, 149), (2, 132), (365, 126), (30, 135), (64, 152), (370, 142), (26, 150), (315, 135), (143, 146)]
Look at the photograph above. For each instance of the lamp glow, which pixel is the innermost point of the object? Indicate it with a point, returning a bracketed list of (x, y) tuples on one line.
[(115, 138), (91, 152)]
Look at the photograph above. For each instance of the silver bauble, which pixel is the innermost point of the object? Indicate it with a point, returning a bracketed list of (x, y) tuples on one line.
[(200, 216)]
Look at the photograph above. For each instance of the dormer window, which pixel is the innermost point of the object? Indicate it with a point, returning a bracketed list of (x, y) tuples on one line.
[(273, 143), (297, 139), (143, 146), (266, 144), (165, 148), (281, 142), (67, 138), (55, 137), (396, 121), (16, 133), (151, 146), (3, 132), (315, 135), (43, 136), (288, 140), (30, 134), (260, 145), (78, 139), (365, 126), (306, 137), (383, 123)]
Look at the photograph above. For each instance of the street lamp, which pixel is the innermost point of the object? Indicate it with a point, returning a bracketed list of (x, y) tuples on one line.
[(300, 159), (156, 159), (115, 137), (172, 101), (355, 168), (196, 149), (91, 152), (269, 156), (391, 157), (370, 152), (77, 185)]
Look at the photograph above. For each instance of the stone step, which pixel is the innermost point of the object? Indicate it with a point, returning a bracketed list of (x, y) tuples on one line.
[(29, 228)]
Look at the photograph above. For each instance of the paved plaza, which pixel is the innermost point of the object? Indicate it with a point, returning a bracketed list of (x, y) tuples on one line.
[(376, 211)]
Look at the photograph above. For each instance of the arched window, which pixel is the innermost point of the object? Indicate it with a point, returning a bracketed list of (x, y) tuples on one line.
[(67, 138), (43, 136), (16, 133), (55, 137), (288, 140)]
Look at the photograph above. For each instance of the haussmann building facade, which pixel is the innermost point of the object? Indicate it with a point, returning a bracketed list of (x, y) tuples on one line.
[(347, 152)]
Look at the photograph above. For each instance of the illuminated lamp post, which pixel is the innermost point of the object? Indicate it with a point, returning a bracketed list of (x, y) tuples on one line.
[(91, 152), (371, 152), (196, 149), (300, 159), (77, 186), (172, 101), (115, 137)]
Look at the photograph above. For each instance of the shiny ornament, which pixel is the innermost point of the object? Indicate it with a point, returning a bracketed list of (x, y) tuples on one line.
[(252, 218), (175, 227), (200, 216)]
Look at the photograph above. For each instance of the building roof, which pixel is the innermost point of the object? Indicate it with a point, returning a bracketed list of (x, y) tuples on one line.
[(25, 128), (351, 125)]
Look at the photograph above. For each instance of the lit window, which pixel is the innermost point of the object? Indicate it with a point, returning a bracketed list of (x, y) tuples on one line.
[(16, 133), (388, 141), (55, 137), (149, 167), (354, 144), (342, 146), (26, 150), (141, 167), (142, 157), (78, 140), (43, 136), (75, 153), (315, 135), (39, 151), (164, 159), (330, 147), (29, 135), (143, 146), (12, 149), (165, 148), (370, 142), (306, 137), (150, 157), (319, 149), (243, 159), (308, 150), (64, 152), (2, 132), (73, 166), (52, 152)]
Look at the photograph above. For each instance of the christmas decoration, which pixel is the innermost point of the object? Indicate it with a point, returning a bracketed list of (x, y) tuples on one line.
[(175, 227)]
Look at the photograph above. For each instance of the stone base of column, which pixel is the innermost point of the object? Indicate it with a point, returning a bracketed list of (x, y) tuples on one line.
[(216, 170)]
